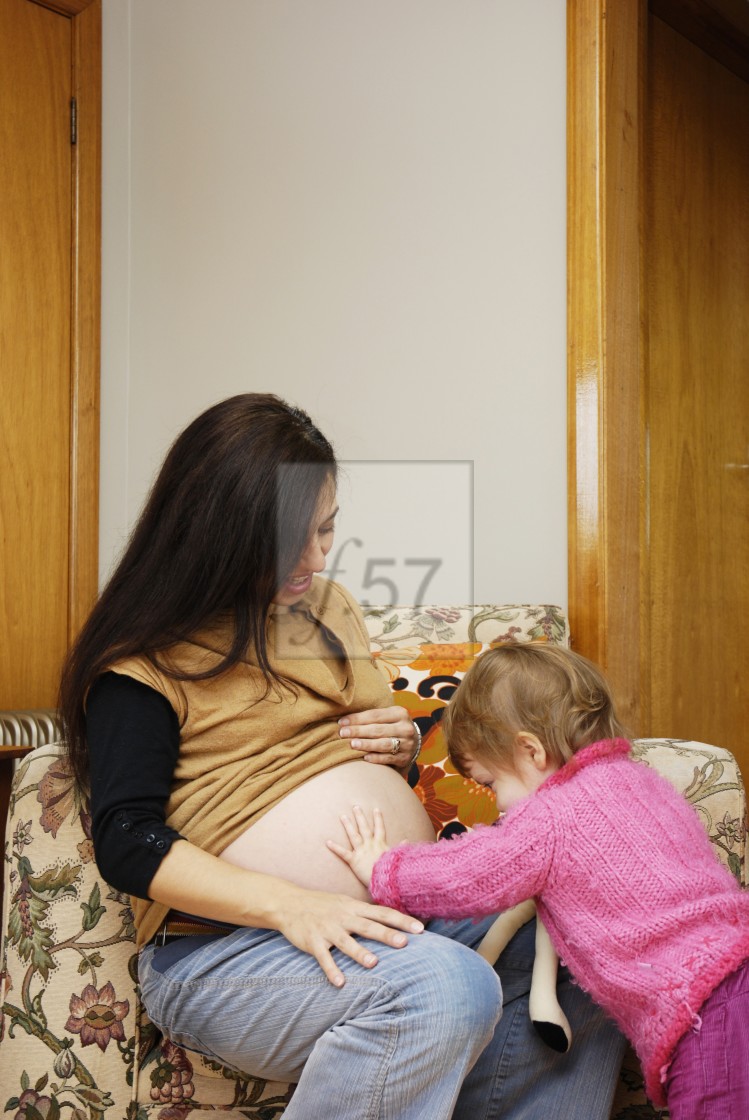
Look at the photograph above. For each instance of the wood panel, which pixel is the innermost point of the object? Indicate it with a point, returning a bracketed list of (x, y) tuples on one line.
[(649, 445), (66, 7), (35, 349), (50, 301), (49, 342), (697, 252), (606, 450), (718, 27), (85, 317)]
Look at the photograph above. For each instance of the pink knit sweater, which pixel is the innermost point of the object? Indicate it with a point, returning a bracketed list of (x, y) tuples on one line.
[(631, 891)]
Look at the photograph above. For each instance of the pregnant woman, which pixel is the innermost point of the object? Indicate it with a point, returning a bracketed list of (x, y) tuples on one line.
[(220, 706)]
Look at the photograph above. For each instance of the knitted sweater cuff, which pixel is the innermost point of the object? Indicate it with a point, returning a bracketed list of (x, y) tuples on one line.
[(384, 884)]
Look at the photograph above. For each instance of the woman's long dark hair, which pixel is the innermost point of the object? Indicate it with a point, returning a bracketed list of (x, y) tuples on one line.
[(224, 526)]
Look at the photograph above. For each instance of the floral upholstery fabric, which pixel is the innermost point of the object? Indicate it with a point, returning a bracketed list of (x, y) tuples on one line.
[(74, 1034), (424, 652)]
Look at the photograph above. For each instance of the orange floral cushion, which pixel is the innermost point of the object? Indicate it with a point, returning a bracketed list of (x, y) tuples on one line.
[(423, 679)]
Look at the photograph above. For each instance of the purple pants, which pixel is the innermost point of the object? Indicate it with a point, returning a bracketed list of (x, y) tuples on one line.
[(708, 1078)]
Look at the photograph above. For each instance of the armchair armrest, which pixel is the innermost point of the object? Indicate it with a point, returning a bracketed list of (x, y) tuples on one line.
[(710, 779)]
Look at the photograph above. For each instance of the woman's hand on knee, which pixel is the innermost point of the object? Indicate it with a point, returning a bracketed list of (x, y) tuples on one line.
[(323, 922), (386, 736)]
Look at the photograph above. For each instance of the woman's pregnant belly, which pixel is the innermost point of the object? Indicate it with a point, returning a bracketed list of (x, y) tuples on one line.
[(289, 840)]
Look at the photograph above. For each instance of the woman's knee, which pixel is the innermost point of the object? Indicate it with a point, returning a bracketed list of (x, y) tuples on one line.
[(456, 981)]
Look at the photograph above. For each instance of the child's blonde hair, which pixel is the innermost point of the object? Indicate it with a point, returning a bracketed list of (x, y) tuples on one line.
[(545, 689)]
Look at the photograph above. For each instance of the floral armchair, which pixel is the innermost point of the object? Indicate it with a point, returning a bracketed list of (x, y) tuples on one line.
[(74, 1034)]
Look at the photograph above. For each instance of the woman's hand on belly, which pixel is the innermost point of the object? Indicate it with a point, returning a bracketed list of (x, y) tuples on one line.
[(290, 840), (376, 732)]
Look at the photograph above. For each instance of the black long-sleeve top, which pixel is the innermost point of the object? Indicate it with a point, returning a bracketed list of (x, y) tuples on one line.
[(133, 742)]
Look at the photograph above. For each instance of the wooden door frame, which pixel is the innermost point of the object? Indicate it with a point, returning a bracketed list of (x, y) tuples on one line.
[(85, 312), (85, 332), (606, 446), (608, 485)]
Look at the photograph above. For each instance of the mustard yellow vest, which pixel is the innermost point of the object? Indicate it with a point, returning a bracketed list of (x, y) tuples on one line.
[(242, 751)]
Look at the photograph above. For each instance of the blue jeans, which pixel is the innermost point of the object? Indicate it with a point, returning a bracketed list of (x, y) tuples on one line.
[(421, 1035)]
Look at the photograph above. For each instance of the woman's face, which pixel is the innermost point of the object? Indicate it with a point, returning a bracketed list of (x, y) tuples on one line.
[(312, 560)]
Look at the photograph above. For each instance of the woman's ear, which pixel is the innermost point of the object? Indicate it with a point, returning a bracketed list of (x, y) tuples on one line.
[(530, 748)]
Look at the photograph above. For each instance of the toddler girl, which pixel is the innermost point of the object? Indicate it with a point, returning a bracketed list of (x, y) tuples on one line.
[(625, 879)]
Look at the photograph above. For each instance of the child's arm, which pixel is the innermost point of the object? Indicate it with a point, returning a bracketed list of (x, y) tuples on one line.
[(367, 844), (480, 872)]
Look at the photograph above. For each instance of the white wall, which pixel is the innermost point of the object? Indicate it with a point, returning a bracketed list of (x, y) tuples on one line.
[(359, 205)]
